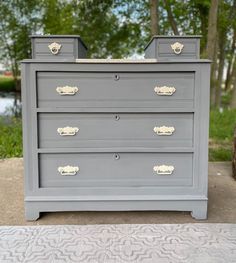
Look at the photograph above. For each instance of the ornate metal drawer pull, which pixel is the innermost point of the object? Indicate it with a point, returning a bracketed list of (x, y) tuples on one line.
[(67, 90), (68, 131), (177, 48), (164, 130), (54, 48), (163, 169), (68, 170), (165, 90)]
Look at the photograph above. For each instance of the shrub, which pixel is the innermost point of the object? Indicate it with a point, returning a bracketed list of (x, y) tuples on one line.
[(7, 83), (10, 137)]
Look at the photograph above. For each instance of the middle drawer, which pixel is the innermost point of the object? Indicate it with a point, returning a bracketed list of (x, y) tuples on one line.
[(70, 130)]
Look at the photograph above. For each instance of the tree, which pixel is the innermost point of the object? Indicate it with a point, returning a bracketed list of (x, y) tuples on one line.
[(154, 15), (211, 47), (18, 19), (171, 17)]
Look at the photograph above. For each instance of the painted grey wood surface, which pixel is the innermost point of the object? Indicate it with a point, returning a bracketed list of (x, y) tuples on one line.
[(114, 130), (116, 89), (120, 169), (100, 98), (72, 47), (160, 47)]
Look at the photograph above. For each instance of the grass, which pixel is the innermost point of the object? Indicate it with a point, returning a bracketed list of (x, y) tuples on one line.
[(7, 84), (222, 125), (220, 144), (10, 137)]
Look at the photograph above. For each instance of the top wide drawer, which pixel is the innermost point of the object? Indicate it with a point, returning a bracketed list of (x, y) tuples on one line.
[(117, 89)]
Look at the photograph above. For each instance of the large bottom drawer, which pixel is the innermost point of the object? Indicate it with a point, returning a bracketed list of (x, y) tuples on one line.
[(115, 169)]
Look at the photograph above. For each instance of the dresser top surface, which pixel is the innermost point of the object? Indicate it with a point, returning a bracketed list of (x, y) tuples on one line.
[(115, 61)]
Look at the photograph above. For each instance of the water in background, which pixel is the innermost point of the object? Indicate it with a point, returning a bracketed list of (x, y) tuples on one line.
[(10, 104)]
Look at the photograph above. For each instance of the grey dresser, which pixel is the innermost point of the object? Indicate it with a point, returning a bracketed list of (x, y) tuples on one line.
[(116, 135)]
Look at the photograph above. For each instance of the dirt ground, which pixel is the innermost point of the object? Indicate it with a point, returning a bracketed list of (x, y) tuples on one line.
[(221, 206)]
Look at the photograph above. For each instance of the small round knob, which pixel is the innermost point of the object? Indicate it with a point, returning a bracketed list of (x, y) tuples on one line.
[(117, 117), (116, 156), (117, 77)]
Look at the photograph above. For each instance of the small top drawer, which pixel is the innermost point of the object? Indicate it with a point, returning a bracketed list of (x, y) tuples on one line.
[(173, 47), (58, 47)]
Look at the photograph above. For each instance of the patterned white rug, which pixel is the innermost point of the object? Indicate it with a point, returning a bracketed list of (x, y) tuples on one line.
[(203, 243)]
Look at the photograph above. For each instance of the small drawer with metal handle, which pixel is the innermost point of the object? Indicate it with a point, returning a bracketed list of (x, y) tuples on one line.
[(99, 130), (173, 47), (56, 47), (121, 169)]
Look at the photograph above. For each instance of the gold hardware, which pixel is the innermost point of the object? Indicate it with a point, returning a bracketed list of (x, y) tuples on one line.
[(163, 169), (164, 130), (67, 90), (165, 90), (54, 48), (177, 48), (68, 170), (68, 131)]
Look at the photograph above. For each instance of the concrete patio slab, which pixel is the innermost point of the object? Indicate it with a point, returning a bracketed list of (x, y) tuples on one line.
[(222, 202), (163, 243)]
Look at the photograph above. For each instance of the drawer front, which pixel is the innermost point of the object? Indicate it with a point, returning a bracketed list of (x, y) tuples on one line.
[(92, 90), (173, 48), (58, 48), (115, 130), (115, 170)]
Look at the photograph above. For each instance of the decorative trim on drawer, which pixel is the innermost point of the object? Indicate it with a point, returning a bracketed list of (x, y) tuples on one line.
[(67, 90), (54, 48), (165, 90), (164, 169), (164, 130), (68, 131), (177, 48), (68, 170)]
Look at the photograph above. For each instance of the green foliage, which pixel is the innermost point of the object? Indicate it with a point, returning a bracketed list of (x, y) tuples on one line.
[(220, 154), (222, 125), (98, 24), (7, 84), (10, 138), (18, 19)]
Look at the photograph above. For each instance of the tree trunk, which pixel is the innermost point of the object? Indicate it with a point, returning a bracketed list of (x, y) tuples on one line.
[(222, 42), (171, 19), (211, 44), (233, 82), (230, 63), (234, 155), (203, 14), (212, 29), (154, 14)]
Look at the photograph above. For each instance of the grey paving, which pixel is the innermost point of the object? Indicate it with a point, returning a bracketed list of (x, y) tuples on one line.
[(163, 243)]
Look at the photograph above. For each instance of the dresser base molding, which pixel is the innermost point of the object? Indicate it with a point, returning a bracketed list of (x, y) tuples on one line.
[(198, 208)]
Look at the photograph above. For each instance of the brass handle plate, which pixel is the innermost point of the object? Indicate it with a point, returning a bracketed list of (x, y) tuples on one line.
[(165, 90), (68, 131), (54, 48), (164, 130), (177, 48), (67, 90), (68, 170), (164, 169)]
